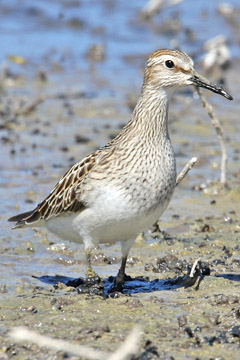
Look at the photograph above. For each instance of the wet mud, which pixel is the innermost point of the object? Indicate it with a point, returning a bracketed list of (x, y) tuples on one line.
[(63, 101)]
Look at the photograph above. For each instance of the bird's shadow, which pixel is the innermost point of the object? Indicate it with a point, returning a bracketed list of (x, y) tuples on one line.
[(232, 277), (130, 286), (106, 287)]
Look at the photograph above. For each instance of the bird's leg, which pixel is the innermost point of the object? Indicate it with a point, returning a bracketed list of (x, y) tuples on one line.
[(121, 276), (90, 273), (121, 273)]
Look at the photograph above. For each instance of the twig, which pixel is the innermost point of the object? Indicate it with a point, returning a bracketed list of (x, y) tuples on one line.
[(129, 347), (219, 131), (30, 106), (153, 7), (194, 268), (189, 165), (22, 334)]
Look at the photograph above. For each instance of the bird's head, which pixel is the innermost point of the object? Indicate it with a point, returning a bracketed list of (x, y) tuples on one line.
[(170, 69)]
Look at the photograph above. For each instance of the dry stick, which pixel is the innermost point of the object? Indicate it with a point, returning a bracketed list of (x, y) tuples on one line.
[(155, 6), (219, 131), (129, 347), (194, 267), (30, 106), (189, 165), (22, 334)]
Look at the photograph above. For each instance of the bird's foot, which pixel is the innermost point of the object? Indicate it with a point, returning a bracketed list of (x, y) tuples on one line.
[(92, 285), (91, 277), (86, 282), (118, 282), (92, 280), (121, 278), (75, 282)]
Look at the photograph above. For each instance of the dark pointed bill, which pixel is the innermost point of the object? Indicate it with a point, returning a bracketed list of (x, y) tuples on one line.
[(214, 88)]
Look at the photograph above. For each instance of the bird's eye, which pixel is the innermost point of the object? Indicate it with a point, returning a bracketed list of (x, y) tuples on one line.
[(169, 64)]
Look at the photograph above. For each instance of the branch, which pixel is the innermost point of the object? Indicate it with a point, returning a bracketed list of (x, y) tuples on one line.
[(189, 165), (153, 7), (27, 108), (129, 347), (215, 122), (22, 334)]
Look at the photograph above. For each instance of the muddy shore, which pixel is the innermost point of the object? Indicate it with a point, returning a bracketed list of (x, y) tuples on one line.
[(59, 107)]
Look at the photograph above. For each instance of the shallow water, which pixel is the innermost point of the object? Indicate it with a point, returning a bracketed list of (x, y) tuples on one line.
[(86, 103)]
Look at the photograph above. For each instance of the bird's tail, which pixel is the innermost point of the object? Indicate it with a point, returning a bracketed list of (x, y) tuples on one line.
[(26, 218)]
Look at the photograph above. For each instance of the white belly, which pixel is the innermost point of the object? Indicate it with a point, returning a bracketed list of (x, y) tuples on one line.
[(113, 217)]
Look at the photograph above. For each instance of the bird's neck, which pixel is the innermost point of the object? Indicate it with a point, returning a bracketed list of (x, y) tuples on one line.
[(149, 122), (150, 116)]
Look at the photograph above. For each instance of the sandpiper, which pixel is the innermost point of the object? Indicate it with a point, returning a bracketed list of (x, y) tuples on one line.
[(123, 188)]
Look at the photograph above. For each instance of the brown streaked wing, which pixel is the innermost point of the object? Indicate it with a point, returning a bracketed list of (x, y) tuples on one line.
[(63, 198)]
